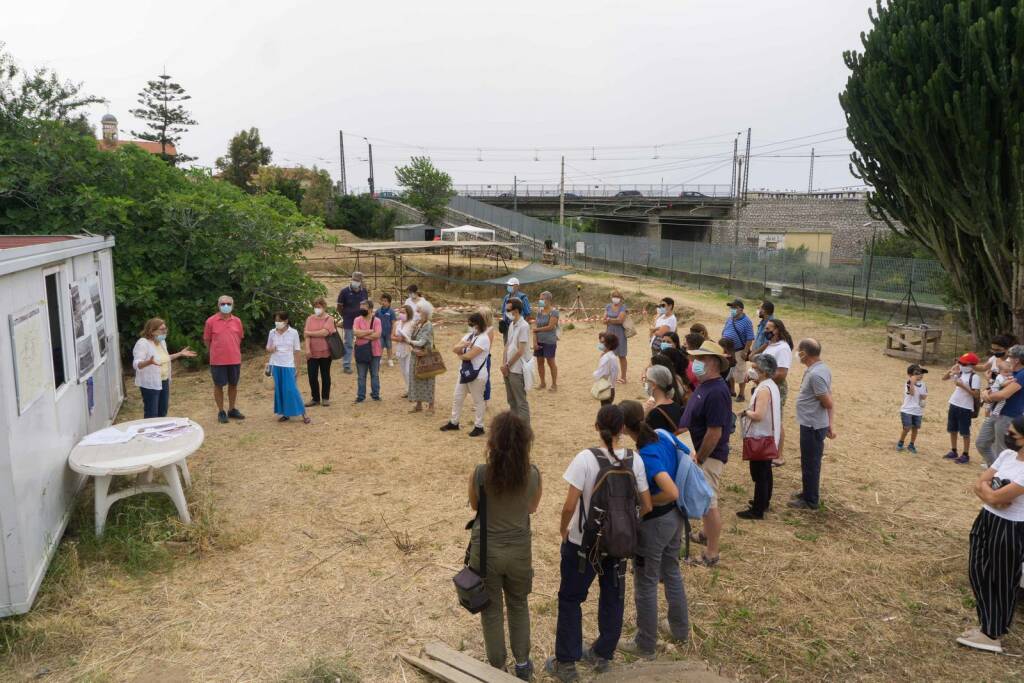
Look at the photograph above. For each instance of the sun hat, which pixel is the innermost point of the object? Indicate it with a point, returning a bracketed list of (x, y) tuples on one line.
[(710, 348), (968, 359)]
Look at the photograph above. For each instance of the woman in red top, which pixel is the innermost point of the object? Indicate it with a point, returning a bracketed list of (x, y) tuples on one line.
[(319, 326), (366, 329)]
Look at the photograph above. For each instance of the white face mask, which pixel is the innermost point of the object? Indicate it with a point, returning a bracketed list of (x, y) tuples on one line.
[(471, 329), (616, 300), (354, 284), (280, 324), (318, 311)]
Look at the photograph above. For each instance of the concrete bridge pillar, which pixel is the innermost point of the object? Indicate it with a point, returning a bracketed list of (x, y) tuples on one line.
[(653, 227)]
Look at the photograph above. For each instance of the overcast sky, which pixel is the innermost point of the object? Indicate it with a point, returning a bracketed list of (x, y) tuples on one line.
[(629, 92)]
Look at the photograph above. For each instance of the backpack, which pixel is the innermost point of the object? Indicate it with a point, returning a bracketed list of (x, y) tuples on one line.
[(695, 493), (612, 522)]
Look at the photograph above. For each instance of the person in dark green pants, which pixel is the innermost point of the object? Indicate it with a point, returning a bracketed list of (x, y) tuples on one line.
[(512, 488)]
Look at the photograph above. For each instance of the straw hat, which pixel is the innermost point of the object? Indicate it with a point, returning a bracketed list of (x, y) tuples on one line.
[(710, 348)]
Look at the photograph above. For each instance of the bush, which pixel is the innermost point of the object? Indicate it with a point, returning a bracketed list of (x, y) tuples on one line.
[(183, 238), (362, 215)]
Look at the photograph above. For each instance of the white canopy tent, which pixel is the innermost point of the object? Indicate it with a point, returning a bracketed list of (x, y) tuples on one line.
[(465, 233)]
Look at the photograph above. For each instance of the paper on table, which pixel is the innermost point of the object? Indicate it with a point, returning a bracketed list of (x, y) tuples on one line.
[(110, 435)]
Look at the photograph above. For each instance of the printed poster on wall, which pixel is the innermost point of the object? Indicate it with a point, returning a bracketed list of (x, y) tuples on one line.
[(29, 344), (89, 326)]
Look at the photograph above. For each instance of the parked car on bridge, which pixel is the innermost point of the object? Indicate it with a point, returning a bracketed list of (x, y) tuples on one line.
[(693, 195), (387, 194), (629, 193), (572, 195)]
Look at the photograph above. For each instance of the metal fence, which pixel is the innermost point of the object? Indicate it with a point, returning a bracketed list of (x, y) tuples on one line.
[(878, 280), (576, 190)]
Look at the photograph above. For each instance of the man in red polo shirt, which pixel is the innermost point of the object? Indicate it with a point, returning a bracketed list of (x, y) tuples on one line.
[(223, 335)]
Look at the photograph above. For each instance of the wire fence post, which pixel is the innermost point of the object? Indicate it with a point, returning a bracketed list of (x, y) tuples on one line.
[(803, 286), (765, 284), (623, 258), (700, 273), (853, 293), (867, 282), (728, 286)]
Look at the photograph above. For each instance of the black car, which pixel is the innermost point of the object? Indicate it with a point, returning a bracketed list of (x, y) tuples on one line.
[(572, 195), (692, 195), (629, 193)]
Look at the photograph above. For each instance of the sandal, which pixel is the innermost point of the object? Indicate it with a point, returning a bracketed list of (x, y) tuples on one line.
[(306, 420), (703, 561), (283, 418), (416, 410), (698, 537)]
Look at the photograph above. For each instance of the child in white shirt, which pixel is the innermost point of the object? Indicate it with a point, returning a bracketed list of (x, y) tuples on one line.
[(912, 411)]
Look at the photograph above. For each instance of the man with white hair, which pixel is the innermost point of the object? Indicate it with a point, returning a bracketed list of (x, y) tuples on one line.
[(512, 291), (349, 299), (223, 334)]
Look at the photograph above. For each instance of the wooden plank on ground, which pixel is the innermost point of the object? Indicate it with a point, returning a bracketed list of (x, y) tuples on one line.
[(439, 669), (467, 664)]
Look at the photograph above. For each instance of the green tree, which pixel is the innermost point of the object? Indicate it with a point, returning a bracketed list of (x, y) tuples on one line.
[(362, 215), (246, 153), (934, 107), (316, 192), (40, 96), (427, 188), (166, 116), (279, 180)]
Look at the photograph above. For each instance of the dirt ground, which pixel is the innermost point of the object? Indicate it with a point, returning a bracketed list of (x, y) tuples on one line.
[(872, 588)]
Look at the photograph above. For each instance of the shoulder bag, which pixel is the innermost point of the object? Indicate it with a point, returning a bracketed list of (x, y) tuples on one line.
[(467, 373), (628, 326), (335, 343), (762, 447), (469, 583), (602, 389), (429, 365)]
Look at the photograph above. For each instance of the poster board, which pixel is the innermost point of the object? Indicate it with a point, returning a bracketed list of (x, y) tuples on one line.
[(89, 325), (28, 345)]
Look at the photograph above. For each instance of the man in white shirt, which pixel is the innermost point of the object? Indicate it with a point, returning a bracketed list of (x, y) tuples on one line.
[(577, 576), (517, 346)]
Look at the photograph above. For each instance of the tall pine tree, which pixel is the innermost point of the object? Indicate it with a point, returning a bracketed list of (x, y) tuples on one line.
[(166, 117)]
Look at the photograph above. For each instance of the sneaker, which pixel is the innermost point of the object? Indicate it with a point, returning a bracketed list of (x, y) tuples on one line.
[(749, 514), (630, 648), (899, 445), (665, 629), (310, 404), (449, 427), (979, 641), (391, 364), (801, 504), (477, 431), (740, 399), (596, 661), (963, 459), (562, 671), (348, 371), (750, 504), (797, 496), (222, 417), (375, 398), (359, 400), (951, 455), (325, 403), (912, 449), (236, 414), (524, 672)]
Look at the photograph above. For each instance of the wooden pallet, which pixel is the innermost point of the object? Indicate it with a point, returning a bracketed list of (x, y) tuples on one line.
[(912, 342), (446, 664)]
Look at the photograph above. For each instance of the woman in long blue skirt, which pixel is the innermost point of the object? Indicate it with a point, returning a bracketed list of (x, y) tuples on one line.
[(285, 351)]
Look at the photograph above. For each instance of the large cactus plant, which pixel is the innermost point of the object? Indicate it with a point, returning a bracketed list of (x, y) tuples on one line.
[(934, 109)]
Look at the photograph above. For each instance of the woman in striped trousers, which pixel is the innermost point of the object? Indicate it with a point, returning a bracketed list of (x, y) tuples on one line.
[(997, 544)]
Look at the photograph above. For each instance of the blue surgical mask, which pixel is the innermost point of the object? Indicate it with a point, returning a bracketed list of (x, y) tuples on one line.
[(161, 337), (665, 346), (601, 348), (543, 303), (508, 288), (733, 312), (698, 368), (661, 310), (225, 308)]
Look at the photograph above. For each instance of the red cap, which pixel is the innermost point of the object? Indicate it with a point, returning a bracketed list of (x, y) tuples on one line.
[(968, 359)]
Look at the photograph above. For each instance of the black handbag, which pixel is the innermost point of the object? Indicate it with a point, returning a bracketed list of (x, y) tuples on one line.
[(364, 353), (469, 584), (335, 344), (467, 373)]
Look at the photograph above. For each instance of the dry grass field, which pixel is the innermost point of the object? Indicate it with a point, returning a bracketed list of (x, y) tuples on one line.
[(337, 541)]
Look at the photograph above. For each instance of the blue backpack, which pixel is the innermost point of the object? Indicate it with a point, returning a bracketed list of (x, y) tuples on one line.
[(695, 493)]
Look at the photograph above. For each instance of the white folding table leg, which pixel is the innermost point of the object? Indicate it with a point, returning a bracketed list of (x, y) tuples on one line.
[(176, 493), (101, 486), (186, 477)]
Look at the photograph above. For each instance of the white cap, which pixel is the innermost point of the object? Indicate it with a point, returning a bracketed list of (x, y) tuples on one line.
[(513, 281)]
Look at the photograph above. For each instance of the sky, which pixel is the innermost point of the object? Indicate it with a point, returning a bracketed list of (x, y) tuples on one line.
[(631, 93)]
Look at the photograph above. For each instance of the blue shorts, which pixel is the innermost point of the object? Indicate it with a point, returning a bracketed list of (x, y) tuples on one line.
[(385, 342), (225, 374), (909, 420), (545, 350), (958, 420)]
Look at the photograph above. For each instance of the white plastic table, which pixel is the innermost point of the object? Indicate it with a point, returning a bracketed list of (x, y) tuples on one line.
[(139, 456)]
